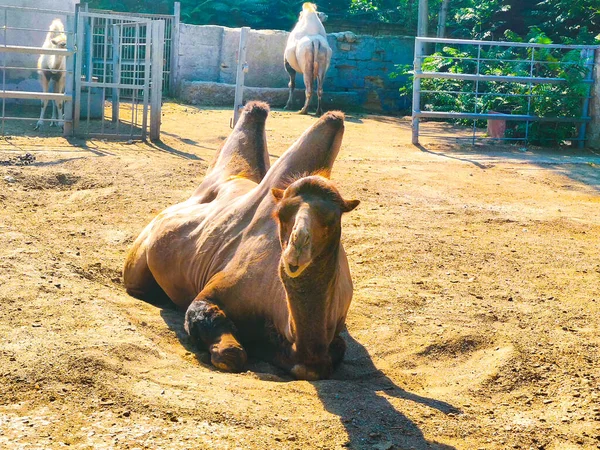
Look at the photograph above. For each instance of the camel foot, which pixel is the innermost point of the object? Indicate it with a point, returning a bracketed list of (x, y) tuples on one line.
[(39, 125), (228, 354), (287, 107), (312, 373), (319, 112), (303, 111)]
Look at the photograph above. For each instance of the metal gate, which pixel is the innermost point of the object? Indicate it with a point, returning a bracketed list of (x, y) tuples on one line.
[(118, 76), (467, 79), (171, 41)]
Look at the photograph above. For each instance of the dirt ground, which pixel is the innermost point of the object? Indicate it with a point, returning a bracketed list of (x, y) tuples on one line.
[(474, 325)]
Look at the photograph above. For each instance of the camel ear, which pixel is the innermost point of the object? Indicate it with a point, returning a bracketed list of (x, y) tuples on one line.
[(277, 193), (349, 205)]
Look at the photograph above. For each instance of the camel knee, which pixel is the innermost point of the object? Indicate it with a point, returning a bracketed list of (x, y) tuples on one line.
[(208, 325)]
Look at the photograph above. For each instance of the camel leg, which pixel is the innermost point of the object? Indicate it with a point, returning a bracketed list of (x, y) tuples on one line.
[(208, 325), (337, 350), (319, 94), (60, 89), (53, 123), (291, 85), (44, 82), (308, 82), (139, 281)]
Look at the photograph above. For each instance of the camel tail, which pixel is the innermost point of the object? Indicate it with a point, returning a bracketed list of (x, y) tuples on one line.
[(316, 50)]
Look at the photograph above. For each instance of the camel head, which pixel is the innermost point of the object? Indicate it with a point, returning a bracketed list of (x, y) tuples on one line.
[(311, 8), (57, 34), (309, 215)]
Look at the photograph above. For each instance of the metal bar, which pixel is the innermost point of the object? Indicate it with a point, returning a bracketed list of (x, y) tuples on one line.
[(116, 62), (589, 55), (78, 68), (476, 92), (529, 95), (122, 17), (174, 48), (29, 119), (37, 10), (158, 47), (239, 78), (33, 29), (35, 69), (458, 58), (68, 106), (104, 60), (98, 84), (146, 91), (416, 100), (4, 73), (35, 95), (503, 43), (137, 15), (518, 117), (496, 94), (34, 50), (483, 78), (483, 138), (89, 46)]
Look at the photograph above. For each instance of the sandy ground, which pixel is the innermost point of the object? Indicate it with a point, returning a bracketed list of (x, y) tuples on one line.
[(474, 323)]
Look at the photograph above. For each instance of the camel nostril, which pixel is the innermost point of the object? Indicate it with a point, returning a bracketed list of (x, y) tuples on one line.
[(293, 268)]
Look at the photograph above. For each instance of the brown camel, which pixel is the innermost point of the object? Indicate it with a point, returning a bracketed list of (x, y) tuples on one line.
[(254, 256)]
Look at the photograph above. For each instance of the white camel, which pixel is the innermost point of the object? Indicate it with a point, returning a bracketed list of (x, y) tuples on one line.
[(52, 69), (308, 52)]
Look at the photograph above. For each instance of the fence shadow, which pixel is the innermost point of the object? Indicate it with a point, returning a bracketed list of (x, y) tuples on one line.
[(580, 165)]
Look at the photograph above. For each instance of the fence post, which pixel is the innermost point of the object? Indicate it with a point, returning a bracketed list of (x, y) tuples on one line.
[(70, 66), (78, 66), (158, 47), (416, 100), (175, 49), (242, 68), (593, 128), (116, 62)]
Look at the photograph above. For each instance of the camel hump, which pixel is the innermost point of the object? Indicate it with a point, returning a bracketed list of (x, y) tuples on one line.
[(244, 153), (315, 151)]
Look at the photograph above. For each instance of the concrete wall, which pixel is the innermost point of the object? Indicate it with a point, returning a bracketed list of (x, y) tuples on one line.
[(27, 80), (358, 75)]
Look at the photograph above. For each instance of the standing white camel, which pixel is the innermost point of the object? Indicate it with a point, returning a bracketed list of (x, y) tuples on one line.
[(307, 52), (52, 69)]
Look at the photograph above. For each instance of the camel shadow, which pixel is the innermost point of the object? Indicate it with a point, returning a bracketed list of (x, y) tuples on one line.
[(357, 393)]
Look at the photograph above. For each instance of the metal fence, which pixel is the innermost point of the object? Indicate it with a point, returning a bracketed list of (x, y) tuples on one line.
[(21, 25), (467, 80), (171, 38)]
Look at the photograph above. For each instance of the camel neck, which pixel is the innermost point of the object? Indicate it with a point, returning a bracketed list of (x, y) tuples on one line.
[(309, 298)]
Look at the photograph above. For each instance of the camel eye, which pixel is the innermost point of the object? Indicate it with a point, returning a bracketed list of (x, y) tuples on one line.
[(286, 212)]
